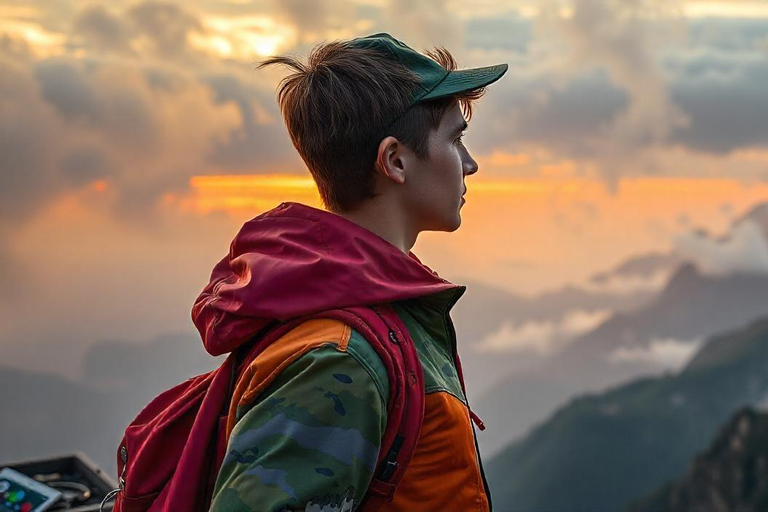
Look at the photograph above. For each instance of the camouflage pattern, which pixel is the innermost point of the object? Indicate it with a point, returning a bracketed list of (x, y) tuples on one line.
[(310, 442)]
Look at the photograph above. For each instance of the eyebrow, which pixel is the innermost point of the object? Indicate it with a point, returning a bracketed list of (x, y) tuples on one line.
[(460, 128)]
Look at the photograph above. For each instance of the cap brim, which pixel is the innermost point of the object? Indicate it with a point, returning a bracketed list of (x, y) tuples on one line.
[(463, 80)]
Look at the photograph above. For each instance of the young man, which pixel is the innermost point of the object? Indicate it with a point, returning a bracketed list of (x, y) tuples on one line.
[(380, 128)]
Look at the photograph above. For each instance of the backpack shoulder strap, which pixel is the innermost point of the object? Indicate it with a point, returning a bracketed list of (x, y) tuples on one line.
[(386, 333), (405, 411), (388, 336)]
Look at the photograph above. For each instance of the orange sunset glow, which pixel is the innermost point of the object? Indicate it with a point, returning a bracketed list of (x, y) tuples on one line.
[(550, 224)]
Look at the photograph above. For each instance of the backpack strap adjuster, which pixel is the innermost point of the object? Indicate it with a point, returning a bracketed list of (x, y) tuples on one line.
[(388, 470), (388, 465), (382, 490)]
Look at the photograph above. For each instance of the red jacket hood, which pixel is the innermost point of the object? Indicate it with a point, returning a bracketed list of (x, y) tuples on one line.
[(295, 260)]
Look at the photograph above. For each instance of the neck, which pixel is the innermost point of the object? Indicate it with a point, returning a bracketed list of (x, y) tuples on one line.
[(386, 219)]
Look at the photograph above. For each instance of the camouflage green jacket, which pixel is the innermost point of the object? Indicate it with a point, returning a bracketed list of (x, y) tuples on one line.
[(309, 439)]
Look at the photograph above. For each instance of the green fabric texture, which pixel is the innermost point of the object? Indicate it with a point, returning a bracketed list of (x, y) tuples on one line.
[(426, 321), (311, 438)]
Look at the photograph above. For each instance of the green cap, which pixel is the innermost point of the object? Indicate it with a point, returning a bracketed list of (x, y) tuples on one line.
[(436, 81)]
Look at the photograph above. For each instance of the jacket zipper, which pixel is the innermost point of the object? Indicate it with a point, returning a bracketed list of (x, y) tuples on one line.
[(454, 349)]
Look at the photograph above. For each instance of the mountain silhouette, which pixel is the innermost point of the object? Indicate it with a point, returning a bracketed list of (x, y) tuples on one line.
[(601, 451), (730, 475)]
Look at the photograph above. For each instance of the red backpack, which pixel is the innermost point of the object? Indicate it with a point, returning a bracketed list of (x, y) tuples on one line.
[(171, 453)]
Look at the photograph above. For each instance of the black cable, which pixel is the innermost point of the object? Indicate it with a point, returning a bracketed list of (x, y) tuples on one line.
[(83, 491)]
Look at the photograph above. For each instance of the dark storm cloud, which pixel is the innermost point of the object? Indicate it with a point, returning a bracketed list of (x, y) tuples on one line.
[(27, 146), (64, 125), (251, 145), (14, 47), (65, 87), (137, 200), (573, 116), (163, 79), (539, 109), (85, 164), (727, 103), (114, 110), (167, 25), (728, 34), (25, 175), (102, 30), (720, 91), (306, 16)]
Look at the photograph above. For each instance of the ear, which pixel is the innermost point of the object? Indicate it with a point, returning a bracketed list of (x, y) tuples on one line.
[(390, 159)]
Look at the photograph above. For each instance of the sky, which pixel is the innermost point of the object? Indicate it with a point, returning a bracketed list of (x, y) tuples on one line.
[(137, 137)]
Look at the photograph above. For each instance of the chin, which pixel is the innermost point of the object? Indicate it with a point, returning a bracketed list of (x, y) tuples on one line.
[(447, 222), (454, 224)]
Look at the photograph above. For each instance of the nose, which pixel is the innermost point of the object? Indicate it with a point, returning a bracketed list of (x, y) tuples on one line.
[(469, 165)]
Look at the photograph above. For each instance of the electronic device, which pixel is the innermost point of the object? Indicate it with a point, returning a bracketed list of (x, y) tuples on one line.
[(82, 483), (20, 493)]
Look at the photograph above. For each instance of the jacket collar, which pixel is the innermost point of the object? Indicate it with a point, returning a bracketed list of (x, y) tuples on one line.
[(295, 260)]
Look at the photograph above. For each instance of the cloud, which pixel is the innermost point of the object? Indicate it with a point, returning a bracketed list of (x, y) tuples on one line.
[(725, 99), (67, 122), (759, 215), (643, 265), (542, 337), (509, 32), (617, 37), (626, 285), (310, 19), (166, 26), (260, 127), (65, 87), (667, 353), (642, 273), (105, 100), (743, 250), (85, 164), (28, 143), (728, 34), (571, 116), (603, 86), (102, 30), (620, 88), (14, 47), (161, 31), (424, 24)]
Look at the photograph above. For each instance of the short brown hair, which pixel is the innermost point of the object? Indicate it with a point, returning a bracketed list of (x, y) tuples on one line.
[(342, 103)]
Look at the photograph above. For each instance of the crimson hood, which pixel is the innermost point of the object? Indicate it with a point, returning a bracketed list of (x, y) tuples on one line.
[(295, 260)]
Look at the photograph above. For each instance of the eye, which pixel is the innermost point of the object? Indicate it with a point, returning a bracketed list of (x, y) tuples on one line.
[(460, 139)]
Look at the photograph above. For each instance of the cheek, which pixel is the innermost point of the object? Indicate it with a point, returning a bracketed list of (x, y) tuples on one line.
[(438, 183), (447, 177), (449, 167), (452, 169)]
